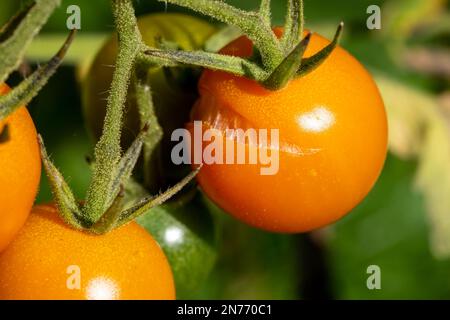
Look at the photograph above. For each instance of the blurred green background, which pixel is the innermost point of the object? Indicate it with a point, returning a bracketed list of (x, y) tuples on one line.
[(404, 224)]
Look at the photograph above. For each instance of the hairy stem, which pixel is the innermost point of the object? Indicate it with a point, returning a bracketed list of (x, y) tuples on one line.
[(293, 27), (108, 150), (154, 136), (251, 23), (235, 65), (265, 12)]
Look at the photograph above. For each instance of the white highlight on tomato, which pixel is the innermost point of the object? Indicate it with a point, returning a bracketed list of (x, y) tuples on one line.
[(317, 120), (102, 288)]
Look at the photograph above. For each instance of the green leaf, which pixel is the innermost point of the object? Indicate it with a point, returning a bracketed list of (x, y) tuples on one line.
[(420, 129)]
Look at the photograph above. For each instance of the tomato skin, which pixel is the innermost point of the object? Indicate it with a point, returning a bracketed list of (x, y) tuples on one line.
[(20, 171), (334, 116), (123, 264)]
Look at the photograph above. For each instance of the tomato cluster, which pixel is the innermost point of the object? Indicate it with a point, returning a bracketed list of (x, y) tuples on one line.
[(332, 145)]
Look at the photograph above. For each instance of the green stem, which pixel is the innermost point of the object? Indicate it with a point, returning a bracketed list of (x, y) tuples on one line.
[(108, 150), (251, 23), (154, 135), (235, 65), (293, 27), (265, 12)]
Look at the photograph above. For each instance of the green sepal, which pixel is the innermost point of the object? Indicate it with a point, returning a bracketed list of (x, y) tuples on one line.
[(147, 203), (126, 165), (30, 87), (68, 207), (288, 68), (8, 29), (311, 63), (27, 24), (111, 216)]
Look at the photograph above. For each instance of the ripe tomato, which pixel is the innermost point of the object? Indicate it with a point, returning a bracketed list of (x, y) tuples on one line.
[(173, 101), (49, 260), (20, 171), (333, 140)]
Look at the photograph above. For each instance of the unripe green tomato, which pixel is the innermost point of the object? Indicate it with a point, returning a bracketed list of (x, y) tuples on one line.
[(186, 233), (173, 98)]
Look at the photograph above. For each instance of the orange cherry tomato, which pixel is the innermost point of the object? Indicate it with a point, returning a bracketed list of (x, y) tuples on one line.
[(20, 171), (332, 141), (49, 260)]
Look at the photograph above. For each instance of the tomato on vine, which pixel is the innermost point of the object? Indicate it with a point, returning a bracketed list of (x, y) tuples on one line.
[(333, 141), (50, 260), (20, 171)]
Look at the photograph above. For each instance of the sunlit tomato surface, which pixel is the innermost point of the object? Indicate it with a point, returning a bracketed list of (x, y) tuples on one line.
[(20, 171), (49, 260), (332, 142)]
